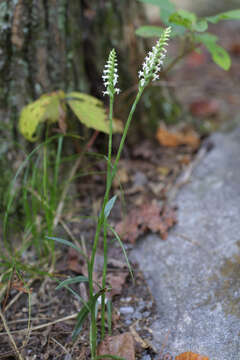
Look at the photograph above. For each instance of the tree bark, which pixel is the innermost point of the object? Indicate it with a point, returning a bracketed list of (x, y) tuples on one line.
[(48, 45)]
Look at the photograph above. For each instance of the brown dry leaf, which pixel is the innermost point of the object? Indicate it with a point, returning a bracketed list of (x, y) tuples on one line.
[(150, 216), (18, 285), (191, 356), (116, 282), (74, 262), (204, 107), (175, 138), (119, 345)]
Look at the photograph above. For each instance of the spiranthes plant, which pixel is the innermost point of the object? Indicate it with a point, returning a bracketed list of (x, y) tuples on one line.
[(149, 72)]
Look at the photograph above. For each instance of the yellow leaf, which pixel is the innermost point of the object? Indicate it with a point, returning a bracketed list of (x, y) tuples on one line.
[(91, 112), (45, 109)]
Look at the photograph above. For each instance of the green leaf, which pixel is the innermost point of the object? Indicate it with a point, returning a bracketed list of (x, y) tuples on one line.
[(156, 31), (123, 249), (82, 315), (163, 4), (149, 31), (109, 316), (201, 25), (109, 206), (219, 55), (166, 8), (68, 243), (189, 20), (74, 294), (228, 15), (187, 15), (45, 109), (89, 306), (91, 112), (183, 18), (76, 279), (206, 38)]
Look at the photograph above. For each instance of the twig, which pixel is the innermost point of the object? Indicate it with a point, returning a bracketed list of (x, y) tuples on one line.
[(61, 346), (18, 295), (69, 317), (10, 336)]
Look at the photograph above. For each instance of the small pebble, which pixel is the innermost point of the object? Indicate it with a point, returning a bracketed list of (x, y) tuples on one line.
[(126, 310), (146, 357)]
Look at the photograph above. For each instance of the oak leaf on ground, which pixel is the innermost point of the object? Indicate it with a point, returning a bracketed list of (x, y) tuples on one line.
[(120, 345), (149, 216)]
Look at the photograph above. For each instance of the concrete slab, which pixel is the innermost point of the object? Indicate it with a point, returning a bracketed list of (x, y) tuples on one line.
[(195, 274)]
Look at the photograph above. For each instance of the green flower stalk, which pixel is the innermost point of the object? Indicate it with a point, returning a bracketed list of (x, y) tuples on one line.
[(150, 69)]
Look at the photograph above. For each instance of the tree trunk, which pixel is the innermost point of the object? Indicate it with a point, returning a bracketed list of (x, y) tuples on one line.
[(49, 45)]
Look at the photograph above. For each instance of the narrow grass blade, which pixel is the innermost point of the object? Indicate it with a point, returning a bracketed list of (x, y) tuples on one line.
[(124, 251), (73, 280), (80, 319), (11, 193), (68, 243), (109, 206), (89, 306), (76, 295), (109, 316)]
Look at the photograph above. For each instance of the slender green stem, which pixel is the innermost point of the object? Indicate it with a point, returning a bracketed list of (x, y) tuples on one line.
[(105, 245), (56, 171), (139, 94), (101, 219), (113, 173)]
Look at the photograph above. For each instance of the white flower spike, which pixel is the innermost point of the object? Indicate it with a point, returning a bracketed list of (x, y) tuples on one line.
[(110, 76), (154, 60)]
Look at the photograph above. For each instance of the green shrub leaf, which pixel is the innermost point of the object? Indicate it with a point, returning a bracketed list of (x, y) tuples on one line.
[(163, 4), (91, 112), (45, 109), (201, 25), (183, 18), (189, 20), (219, 55), (228, 15), (149, 31)]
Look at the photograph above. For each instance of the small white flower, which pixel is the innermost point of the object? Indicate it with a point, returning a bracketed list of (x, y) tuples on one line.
[(154, 60), (110, 76)]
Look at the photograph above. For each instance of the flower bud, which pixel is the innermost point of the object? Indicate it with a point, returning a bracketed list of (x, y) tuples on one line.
[(110, 76), (154, 60)]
